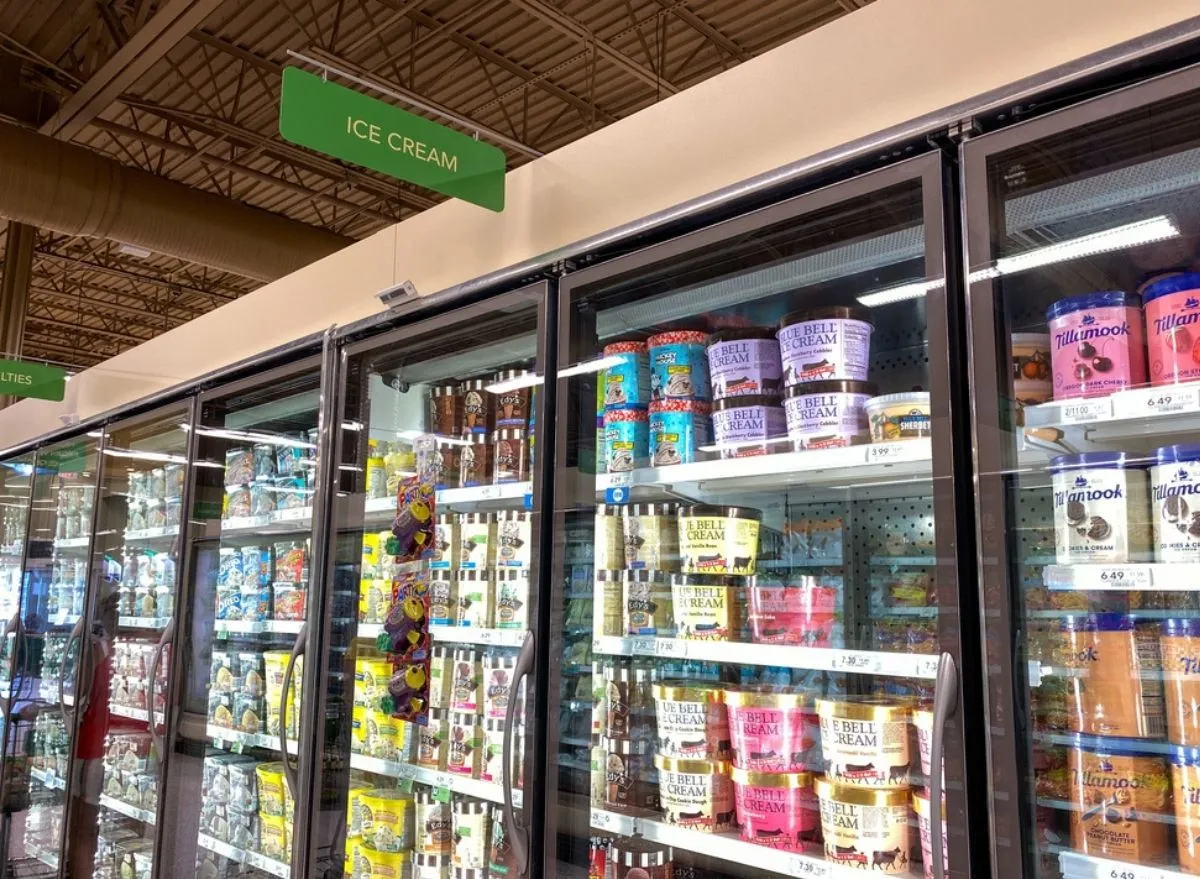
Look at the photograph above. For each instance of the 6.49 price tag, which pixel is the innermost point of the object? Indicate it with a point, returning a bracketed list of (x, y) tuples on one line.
[(1123, 577)]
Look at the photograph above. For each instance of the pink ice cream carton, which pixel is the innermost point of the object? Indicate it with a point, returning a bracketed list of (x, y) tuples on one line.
[(801, 613), (921, 805), (777, 809), (1097, 344), (773, 730), (1173, 328)]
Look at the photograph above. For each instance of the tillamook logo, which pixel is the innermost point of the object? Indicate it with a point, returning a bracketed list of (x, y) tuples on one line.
[(1171, 321), (1175, 488), (1082, 491), (1074, 335)]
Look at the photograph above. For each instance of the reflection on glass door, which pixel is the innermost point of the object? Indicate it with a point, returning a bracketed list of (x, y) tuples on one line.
[(432, 601), (135, 558), (16, 729), (52, 717), (233, 782), (1085, 269), (757, 575)]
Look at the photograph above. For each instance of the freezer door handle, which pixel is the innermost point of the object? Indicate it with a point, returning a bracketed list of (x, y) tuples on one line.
[(76, 634), (518, 837), (15, 628), (297, 651), (168, 637), (945, 702)]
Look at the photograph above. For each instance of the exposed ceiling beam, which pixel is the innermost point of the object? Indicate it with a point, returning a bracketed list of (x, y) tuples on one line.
[(567, 25), (489, 54), (696, 23), (89, 331), (170, 24), (229, 165), (426, 104), (301, 158), (140, 307), (88, 307), (37, 348), (217, 293)]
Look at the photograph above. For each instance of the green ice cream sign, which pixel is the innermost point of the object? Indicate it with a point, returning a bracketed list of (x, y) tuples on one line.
[(351, 126)]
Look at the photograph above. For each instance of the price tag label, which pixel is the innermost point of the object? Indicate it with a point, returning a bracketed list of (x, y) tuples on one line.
[(801, 866), (1086, 411), (644, 646), (602, 820), (670, 647), (487, 492), (528, 501), (1123, 577), (877, 454), (1162, 401), (485, 636), (855, 662), (441, 794), (927, 666)]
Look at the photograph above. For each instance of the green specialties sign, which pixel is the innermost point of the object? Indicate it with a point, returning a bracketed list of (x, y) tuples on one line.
[(21, 379), (349, 125)]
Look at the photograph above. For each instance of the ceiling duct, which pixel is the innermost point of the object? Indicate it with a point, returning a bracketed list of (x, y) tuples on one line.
[(72, 190)]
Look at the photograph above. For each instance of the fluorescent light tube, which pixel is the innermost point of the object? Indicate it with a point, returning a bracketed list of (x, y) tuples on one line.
[(1118, 238), (900, 293)]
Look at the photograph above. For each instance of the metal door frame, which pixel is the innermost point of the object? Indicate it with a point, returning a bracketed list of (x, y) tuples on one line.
[(423, 323), (170, 843), (1007, 677), (954, 568), (6, 707)]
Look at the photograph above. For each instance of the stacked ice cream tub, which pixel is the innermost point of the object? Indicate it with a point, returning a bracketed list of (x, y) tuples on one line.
[(745, 391)]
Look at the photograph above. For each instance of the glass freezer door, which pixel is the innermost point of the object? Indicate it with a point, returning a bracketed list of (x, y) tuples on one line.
[(52, 718), (434, 595), (16, 730), (754, 547), (134, 569), (1083, 231), (232, 785)]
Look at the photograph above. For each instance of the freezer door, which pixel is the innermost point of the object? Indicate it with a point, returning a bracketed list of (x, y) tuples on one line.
[(233, 787), (434, 582), (1082, 232), (54, 719), (19, 757), (133, 569), (755, 598)]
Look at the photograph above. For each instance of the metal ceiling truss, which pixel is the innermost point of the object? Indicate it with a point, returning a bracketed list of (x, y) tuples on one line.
[(189, 90)]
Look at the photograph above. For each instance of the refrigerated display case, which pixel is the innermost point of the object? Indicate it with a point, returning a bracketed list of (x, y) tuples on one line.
[(133, 567), (755, 583), (240, 742), (1082, 234), (53, 653), (434, 594)]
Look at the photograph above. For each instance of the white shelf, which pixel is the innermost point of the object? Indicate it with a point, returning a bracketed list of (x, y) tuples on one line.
[(293, 521), (724, 846), (249, 858), (906, 611), (907, 665), (136, 713), (369, 631), (903, 561), (505, 495), (134, 812), (1080, 866), (72, 542), (62, 618), (152, 624), (851, 466), (471, 635), (142, 534), (48, 779), (1134, 413), (226, 628), (1158, 577), (471, 787), (237, 738)]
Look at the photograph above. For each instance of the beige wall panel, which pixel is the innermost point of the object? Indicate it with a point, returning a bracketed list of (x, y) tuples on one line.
[(891, 62)]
